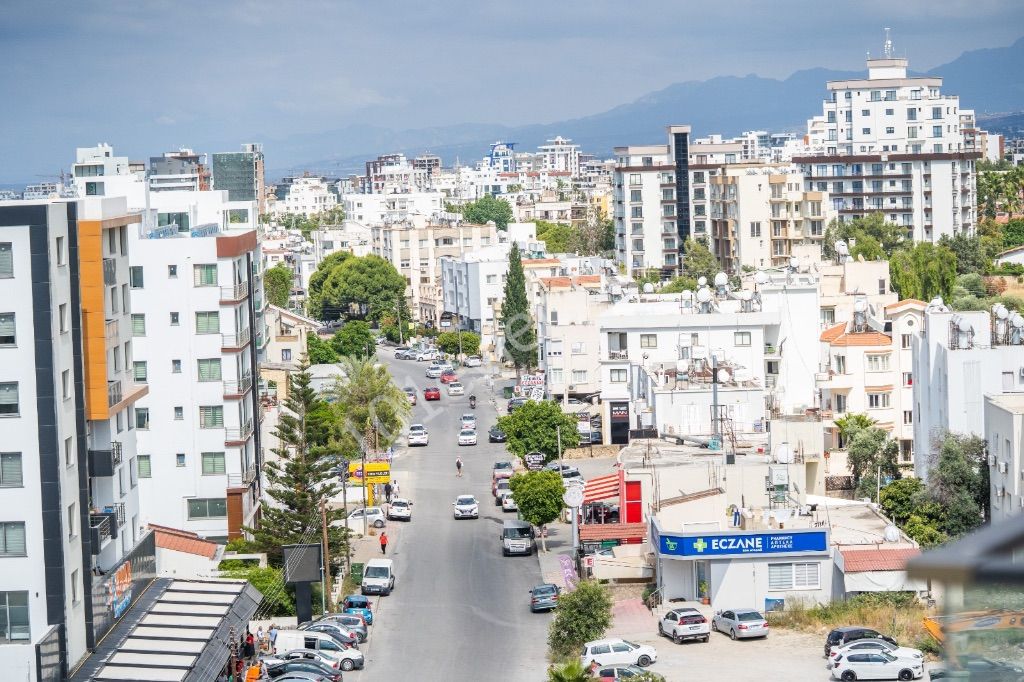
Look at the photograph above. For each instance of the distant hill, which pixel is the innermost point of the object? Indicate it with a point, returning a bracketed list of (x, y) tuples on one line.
[(988, 80)]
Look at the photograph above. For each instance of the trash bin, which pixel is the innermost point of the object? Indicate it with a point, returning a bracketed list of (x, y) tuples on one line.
[(507, 392)]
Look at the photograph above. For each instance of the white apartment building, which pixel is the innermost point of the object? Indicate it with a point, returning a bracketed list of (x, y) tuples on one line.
[(352, 237), (959, 357), (708, 158), (473, 288), (394, 173), (394, 207), (1004, 433), (560, 154), (845, 282), (97, 172), (306, 196), (893, 144), (198, 336)]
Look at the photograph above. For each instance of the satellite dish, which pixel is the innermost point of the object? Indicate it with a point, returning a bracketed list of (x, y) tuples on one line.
[(783, 453), (760, 277), (793, 262), (860, 306), (892, 533), (702, 281), (648, 288), (842, 249), (723, 376), (687, 295), (1001, 311), (937, 302), (704, 295), (721, 279), (1017, 320), (964, 326)]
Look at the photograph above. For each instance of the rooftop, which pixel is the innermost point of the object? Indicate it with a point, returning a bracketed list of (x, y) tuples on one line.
[(1011, 402), (183, 541), (877, 559)]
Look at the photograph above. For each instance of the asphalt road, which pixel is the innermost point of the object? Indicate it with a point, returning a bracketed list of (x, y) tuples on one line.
[(459, 610)]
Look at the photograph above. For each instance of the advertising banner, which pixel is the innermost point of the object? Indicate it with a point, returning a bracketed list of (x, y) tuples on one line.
[(726, 545)]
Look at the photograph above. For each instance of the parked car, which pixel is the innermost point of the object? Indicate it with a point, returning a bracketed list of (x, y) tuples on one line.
[(337, 655), (616, 651), (378, 577), (434, 371), (336, 630), (302, 665), (877, 665), (499, 487), (424, 355), (353, 622), (449, 377), (503, 469), (544, 597), (564, 468), (572, 478), (400, 352), (473, 361), (840, 637), (466, 507), (683, 624), (467, 437), (322, 657), (625, 672), (515, 403), (418, 435), (875, 644), (432, 393), (455, 388), (410, 392), (740, 623), (468, 421), (400, 508), (358, 605), (508, 503), (496, 435), (374, 517)]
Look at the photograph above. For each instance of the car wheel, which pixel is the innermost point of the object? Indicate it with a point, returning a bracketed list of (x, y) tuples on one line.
[(732, 634), (849, 676), (378, 524), (644, 661), (504, 552), (714, 625), (707, 638), (906, 674), (661, 630), (677, 638), (347, 664)]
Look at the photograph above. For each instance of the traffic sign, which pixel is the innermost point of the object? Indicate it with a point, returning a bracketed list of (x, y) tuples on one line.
[(534, 460), (573, 496)]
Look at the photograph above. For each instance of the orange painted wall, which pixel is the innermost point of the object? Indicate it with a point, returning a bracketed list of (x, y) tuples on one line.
[(90, 257)]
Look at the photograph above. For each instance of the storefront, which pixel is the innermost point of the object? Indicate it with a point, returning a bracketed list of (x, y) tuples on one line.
[(761, 569)]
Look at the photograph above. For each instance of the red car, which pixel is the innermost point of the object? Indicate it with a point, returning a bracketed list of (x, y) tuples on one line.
[(432, 393), (449, 377)]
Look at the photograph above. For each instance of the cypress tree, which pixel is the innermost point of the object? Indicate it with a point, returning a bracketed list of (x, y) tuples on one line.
[(520, 333)]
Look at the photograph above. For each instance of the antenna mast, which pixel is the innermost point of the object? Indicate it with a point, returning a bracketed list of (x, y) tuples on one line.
[(887, 49)]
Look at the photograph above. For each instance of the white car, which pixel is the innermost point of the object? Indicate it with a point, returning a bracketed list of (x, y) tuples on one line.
[(418, 435), (876, 665), (467, 437), (685, 623), (872, 644), (400, 508), (508, 504), (434, 372), (466, 507), (374, 516), (455, 388), (617, 651), (468, 420), (426, 355), (473, 361)]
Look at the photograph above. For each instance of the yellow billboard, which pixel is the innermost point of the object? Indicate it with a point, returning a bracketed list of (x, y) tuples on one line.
[(376, 472)]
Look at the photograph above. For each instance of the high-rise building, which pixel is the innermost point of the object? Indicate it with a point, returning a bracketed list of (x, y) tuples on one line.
[(241, 174), (183, 169)]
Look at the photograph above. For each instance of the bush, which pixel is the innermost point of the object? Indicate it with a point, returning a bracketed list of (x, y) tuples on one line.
[(897, 614), (581, 616)]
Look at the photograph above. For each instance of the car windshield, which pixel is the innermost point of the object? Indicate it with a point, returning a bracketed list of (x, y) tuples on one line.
[(417, 427), (465, 500), (399, 503), (467, 432), (502, 465), (748, 615), (467, 417), (544, 589), (517, 532), (376, 572)]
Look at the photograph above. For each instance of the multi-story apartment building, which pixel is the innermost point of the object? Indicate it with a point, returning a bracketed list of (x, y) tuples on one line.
[(306, 196), (381, 208), (394, 173), (1004, 433), (97, 172), (560, 154), (845, 282), (180, 170), (472, 288), (652, 204), (894, 144), (242, 174), (708, 158), (68, 465)]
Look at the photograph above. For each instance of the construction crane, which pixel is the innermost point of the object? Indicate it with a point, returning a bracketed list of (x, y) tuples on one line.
[(973, 621)]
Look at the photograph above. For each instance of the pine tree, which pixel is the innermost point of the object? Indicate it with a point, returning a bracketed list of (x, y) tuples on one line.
[(520, 334), (301, 477)]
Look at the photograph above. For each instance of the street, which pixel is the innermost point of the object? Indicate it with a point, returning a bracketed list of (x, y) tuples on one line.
[(459, 610)]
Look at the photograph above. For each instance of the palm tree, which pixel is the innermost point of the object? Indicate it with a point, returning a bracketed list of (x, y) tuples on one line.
[(373, 409), (573, 671)]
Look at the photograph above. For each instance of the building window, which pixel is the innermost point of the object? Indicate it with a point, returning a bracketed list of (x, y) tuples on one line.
[(211, 417), (6, 260), (904, 341), (76, 593), (648, 340), (10, 470), (138, 324), (179, 412), (908, 379), (634, 178), (62, 317), (12, 539), (208, 322), (286, 355), (755, 229), (115, 306), (213, 463), (878, 401), (142, 418), (204, 275), (7, 329), (579, 376), (69, 459), (179, 459), (878, 363), (908, 416), (59, 248), (741, 338), (579, 348), (140, 371), (174, 319), (14, 625), (172, 271), (492, 279), (555, 376), (209, 369), (176, 366), (795, 576), (208, 508), (71, 521), (145, 466), (9, 399), (65, 384), (636, 212), (135, 276), (618, 376)]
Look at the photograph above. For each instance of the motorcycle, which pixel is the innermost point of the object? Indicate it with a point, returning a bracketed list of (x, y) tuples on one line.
[(472, 402)]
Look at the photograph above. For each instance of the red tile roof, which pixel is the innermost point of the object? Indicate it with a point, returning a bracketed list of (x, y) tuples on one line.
[(581, 280), (832, 333), (877, 559), (862, 339), (183, 541), (592, 532), (906, 302)]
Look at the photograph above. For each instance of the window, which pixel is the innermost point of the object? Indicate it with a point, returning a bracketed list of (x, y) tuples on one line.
[(741, 338), (8, 399), (65, 384), (179, 459), (648, 340), (579, 348), (208, 508), (936, 112), (10, 470), (286, 355), (579, 376), (555, 376), (7, 329), (209, 369), (878, 401), (636, 212), (904, 341), (174, 319), (828, 316), (59, 248), (14, 625), (176, 366), (142, 418), (179, 412), (115, 305), (6, 260), (840, 364), (634, 178), (865, 131), (12, 539), (908, 379), (755, 229), (135, 276), (618, 376), (908, 416), (204, 275), (71, 522), (208, 322), (172, 271), (211, 417), (213, 463), (882, 286), (492, 279), (140, 371), (69, 459), (936, 131), (635, 195), (145, 466), (138, 324), (878, 363), (795, 576)]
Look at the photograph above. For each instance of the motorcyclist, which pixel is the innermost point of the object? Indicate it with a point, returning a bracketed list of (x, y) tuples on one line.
[(472, 401)]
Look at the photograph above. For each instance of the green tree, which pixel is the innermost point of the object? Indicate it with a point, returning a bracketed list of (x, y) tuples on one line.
[(868, 234), (573, 671), (970, 255), (698, 261), (581, 616), (534, 426), (277, 283), (595, 236), (924, 531), (901, 498), (538, 495), (362, 288), (850, 424), (371, 407), (923, 272), (299, 479), (354, 339), (1013, 233), (318, 351), (449, 342), (270, 582), (485, 209), (959, 482), (871, 453), (679, 284), (557, 238), (317, 279), (520, 334)]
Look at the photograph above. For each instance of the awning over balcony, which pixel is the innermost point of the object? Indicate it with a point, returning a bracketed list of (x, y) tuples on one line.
[(595, 532), (602, 487)]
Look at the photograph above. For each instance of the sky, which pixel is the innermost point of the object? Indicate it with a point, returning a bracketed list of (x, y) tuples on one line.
[(149, 76)]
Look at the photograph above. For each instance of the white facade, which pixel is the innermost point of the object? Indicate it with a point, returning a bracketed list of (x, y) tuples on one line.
[(307, 196), (1004, 433), (645, 237), (472, 289), (560, 154), (379, 209)]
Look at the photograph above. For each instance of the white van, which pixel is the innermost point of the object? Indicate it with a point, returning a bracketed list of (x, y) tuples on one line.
[(321, 642), (517, 537), (378, 577)]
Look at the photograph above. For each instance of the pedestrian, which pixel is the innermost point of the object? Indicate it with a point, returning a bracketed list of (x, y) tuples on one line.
[(383, 542), (254, 673), (273, 638), (388, 489), (394, 488), (259, 639), (249, 650), (458, 466)]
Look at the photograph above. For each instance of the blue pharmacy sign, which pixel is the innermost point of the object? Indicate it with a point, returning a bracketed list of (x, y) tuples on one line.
[(729, 545)]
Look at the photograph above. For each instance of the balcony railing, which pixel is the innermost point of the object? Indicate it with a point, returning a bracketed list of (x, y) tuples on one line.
[(116, 512), (238, 436), (618, 355), (101, 529), (114, 393), (236, 389), (243, 479), (111, 330), (236, 293), (104, 462), (237, 341)]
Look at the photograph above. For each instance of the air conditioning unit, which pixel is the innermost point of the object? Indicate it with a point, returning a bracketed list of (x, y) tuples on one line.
[(991, 460), (1003, 466)]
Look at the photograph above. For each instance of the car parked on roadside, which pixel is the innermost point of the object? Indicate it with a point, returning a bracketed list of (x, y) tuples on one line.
[(466, 507), (359, 605), (617, 651), (400, 351), (284, 670), (473, 361), (684, 623), (563, 468), (322, 657), (425, 355), (840, 637), (626, 672), (467, 437), (336, 630), (431, 393), (503, 469), (374, 518), (455, 388), (499, 487), (516, 403), (740, 623), (400, 509), (496, 435), (508, 503), (877, 665), (875, 644), (544, 597), (350, 620)]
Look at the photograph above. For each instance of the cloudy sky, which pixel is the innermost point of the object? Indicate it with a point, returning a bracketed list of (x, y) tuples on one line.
[(150, 75)]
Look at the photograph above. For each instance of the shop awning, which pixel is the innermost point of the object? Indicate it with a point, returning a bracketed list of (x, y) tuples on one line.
[(602, 487), (595, 532)]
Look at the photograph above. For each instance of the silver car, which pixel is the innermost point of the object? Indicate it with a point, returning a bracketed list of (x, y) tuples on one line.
[(740, 623)]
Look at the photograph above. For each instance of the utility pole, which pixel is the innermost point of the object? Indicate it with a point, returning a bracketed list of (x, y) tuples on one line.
[(327, 558), (344, 503), (398, 309)]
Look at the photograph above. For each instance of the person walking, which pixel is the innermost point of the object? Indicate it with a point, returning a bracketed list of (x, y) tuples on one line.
[(259, 639), (388, 489), (383, 542), (458, 466), (394, 488), (273, 638)]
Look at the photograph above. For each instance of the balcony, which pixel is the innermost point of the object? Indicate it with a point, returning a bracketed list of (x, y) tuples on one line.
[(102, 530), (116, 513), (235, 342), (111, 331), (109, 272), (235, 293), (114, 393), (237, 437), (244, 479), (237, 389), (104, 462), (622, 354)]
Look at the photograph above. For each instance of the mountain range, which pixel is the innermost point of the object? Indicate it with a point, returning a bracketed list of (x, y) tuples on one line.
[(989, 80)]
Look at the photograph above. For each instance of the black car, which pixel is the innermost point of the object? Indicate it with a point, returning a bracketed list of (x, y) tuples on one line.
[(303, 666), (851, 633), (496, 435)]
